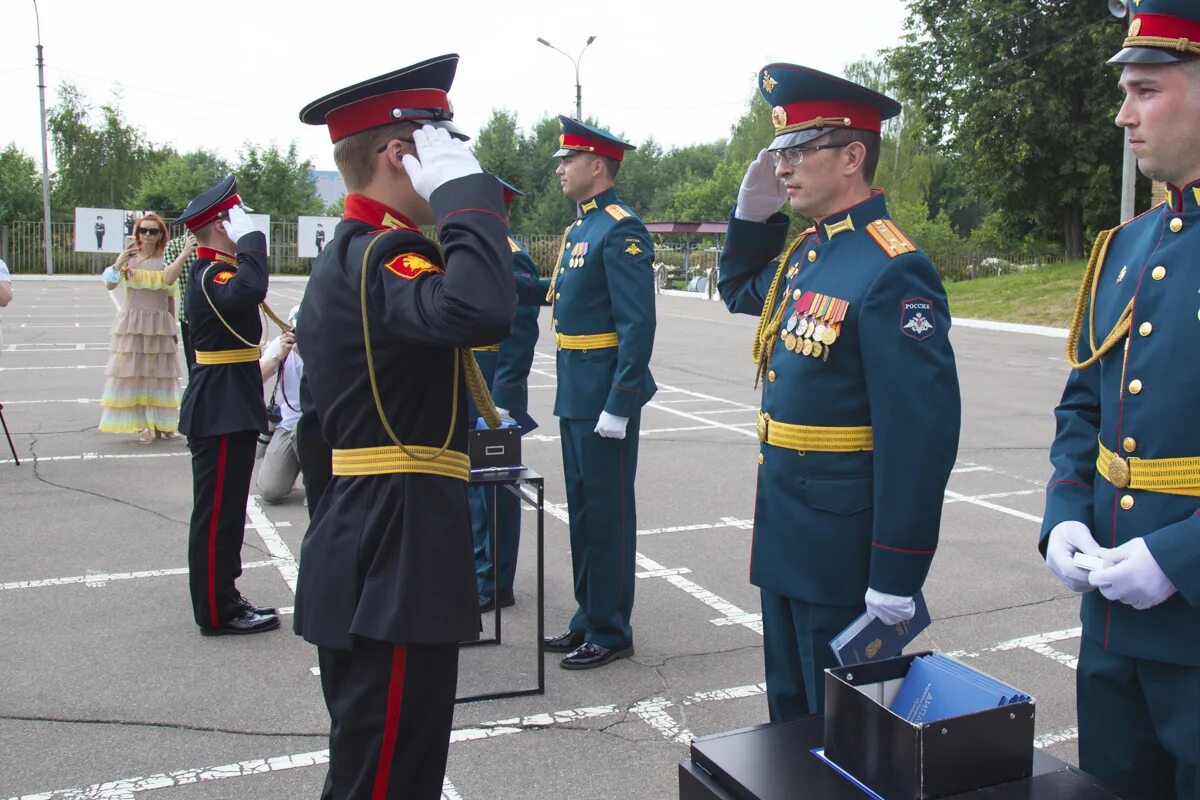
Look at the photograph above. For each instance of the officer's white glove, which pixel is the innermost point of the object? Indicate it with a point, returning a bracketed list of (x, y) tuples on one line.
[(238, 224), (1066, 539), (1134, 577), (611, 426), (890, 609), (761, 193), (442, 159)]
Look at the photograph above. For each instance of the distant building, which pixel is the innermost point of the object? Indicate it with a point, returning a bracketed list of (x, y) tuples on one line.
[(330, 185)]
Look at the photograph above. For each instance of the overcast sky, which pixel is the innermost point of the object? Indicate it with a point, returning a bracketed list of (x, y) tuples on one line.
[(240, 71)]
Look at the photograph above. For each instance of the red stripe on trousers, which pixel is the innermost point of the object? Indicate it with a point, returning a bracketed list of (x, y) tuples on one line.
[(213, 524), (391, 723)]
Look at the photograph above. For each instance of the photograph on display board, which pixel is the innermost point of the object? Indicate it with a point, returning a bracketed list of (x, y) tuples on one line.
[(262, 222), (312, 233), (99, 230)]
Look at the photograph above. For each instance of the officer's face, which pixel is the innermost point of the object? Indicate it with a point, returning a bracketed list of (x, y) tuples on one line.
[(815, 185), (577, 175), (1162, 114)]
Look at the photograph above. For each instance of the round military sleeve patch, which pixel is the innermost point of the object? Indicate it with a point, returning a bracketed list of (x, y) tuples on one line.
[(917, 319)]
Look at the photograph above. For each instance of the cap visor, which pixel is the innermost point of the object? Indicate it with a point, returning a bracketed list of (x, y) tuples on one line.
[(786, 140), (1149, 55)]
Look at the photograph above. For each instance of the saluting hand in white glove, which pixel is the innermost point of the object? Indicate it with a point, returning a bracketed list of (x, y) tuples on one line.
[(238, 224), (440, 159), (761, 193)]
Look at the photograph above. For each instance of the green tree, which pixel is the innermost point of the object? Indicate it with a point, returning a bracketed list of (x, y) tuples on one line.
[(20, 186), (100, 161), (1017, 92), (277, 182), (170, 185)]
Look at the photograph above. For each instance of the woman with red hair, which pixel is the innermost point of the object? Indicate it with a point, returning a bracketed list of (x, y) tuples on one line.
[(141, 393)]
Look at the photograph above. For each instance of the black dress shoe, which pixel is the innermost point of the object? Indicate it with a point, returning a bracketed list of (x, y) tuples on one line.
[(262, 611), (563, 643), (246, 622), (590, 655), (487, 604)]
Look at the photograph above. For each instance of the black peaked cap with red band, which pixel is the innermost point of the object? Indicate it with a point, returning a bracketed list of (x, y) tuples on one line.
[(806, 103), (207, 206), (418, 93)]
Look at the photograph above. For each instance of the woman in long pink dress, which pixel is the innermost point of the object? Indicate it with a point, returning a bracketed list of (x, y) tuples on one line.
[(141, 393)]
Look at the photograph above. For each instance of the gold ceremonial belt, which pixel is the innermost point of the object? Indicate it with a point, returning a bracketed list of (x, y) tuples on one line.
[(591, 341), (389, 460), (243, 355), (1165, 475), (491, 348), (814, 437)]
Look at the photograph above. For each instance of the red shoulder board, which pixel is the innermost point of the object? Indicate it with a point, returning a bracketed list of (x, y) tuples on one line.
[(890, 239), (411, 265), (223, 277)]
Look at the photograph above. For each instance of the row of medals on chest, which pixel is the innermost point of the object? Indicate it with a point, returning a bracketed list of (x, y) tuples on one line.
[(814, 325), (578, 253)]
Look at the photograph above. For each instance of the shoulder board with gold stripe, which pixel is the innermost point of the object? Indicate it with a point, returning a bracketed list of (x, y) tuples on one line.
[(890, 239), (808, 230), (616, 212), (516, 248)]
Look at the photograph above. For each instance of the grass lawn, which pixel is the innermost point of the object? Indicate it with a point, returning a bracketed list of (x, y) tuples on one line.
[(1044, 296)]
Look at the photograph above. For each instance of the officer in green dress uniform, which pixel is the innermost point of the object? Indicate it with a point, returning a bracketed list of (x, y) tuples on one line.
[(506, 367), (602, 293), (860, 410), (222, 411), (386, 588), (1126, 456)]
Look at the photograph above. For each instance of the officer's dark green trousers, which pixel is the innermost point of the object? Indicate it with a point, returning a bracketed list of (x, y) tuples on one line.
[(599, 476), (796, 638), (1139, 724), (495, 507)]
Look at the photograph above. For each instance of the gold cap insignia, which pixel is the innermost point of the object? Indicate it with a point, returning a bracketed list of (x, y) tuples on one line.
[(779, 116), (1136, 27), (768, 82), (873, 648)]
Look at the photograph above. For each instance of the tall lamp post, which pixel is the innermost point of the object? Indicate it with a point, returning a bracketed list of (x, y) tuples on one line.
[(575, 61), (1120, 10), (45, 157)]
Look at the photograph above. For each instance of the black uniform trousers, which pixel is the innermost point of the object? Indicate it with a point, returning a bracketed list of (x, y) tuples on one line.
[(390, 709), (221, 467)]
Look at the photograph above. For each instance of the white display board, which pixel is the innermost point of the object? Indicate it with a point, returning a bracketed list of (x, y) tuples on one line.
[(99, 230), (262, 222), (312, 234)]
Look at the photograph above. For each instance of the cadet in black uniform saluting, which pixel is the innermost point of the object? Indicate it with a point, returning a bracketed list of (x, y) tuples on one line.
[(222, 411), (387, 576)]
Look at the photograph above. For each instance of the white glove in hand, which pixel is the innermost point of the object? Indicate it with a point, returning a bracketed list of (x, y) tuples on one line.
[(1134, 577), (1066, 539), (890, 609), (238, 224), (442, 159), (610, 426), (761, 193)]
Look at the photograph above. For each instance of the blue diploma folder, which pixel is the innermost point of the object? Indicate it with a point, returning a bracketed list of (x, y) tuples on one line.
[(868, 639)]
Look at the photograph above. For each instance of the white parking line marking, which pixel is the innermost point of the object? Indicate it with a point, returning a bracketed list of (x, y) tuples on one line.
[(29, 369), (102, 456), (285, 560), (985, 504), (1058, 737), (448, 790), (77, 401), (96, 580)]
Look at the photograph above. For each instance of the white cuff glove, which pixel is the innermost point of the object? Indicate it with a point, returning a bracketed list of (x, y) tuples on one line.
[(610, 426), (761, 193), (238, 224), (890, 609), (1066, 539), (442, 158), (1134, 577)]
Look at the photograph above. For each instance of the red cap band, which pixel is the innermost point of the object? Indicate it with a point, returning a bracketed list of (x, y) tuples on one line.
[(374, 112), (1165, 26), (210, 215), (570, 141), (826, 114)]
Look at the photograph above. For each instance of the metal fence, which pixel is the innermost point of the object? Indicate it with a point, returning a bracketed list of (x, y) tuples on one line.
[(680, 262)]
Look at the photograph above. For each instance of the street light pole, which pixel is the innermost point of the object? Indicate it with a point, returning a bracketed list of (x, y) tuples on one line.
[(1121, 10), (575, 61), (45, 157)]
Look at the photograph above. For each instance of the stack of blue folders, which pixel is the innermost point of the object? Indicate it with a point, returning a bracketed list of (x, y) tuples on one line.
[(938, 687)]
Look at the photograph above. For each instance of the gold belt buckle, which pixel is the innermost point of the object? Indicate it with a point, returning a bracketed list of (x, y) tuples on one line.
[(761, 427), (1118, 472)]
